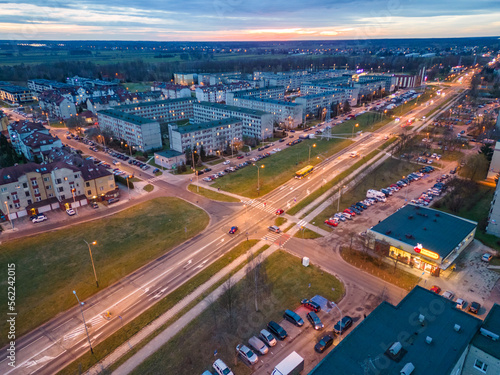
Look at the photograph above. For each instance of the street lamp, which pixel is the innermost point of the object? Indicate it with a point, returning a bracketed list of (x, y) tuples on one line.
[(74, 200), (354, 126), (258, 176), (340, 321), (128, 187), (8, 215), (311, 146), (340, 192), (92, 260), (83, 318)]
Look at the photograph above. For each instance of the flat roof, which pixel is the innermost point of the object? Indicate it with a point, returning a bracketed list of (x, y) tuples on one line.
[(14, 89), (365, 349), (435, 230), (275, 101), (169, 153), (154, 103), (137, 120), (233, 108), (491, 324), (206, 125)]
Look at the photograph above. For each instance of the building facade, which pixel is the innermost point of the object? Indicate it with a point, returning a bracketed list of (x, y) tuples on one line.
[(57, 105), (185, 79), (32, 139), (169, 110), (139, 132), (16, 95), (213, 136)]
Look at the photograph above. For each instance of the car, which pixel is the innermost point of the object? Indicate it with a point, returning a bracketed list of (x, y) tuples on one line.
[(435, 289), (350, 212), (70, 212), (342, 325), (449, 295), (113, 200), (38, 218), (332, 223), (280, 212), (293, 318), (339, 216), (461, 303), (486, 257), (240, 157), (267, 337), (277, 330), (246, 354), (94, 205), (315, 321), (311, 305), (221, 368), (227, 162), (323, 344), (474, 307), (233, 230), (258, 345), (274, 228), (207, 169)]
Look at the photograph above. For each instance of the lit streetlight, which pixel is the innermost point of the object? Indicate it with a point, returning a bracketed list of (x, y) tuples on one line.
[(258, 176), (128, 187), (354, 126), (83, 318), (311, 146), (92, 260)]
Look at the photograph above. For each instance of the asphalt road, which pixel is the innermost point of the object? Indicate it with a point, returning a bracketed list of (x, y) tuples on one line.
[(60, 341)]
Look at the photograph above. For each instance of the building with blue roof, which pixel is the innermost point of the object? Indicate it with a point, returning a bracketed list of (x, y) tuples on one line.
[(424, 238)]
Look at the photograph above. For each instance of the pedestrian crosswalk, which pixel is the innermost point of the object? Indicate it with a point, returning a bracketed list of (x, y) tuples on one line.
[(264, 206), (157, 178), (302, 223), (279, 239), (94, 322)]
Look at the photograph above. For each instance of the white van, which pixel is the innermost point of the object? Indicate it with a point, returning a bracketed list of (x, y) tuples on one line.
[(374, 194)]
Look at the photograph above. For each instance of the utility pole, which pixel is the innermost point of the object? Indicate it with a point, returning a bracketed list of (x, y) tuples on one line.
[(84, 324)]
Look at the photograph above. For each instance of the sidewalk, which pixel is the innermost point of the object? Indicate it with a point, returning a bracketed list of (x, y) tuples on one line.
[(208, 187), (173, 329)]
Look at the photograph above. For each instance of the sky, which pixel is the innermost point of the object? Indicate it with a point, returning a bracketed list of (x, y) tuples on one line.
[(220, 20)]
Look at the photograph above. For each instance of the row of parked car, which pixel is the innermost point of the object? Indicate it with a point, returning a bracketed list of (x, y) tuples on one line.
[(268, 337), (461, 304)]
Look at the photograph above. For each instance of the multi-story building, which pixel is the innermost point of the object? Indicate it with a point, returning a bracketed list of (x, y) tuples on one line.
[(16, 95), (256, 124), (56, 105), (315, 87), (162, 110), (292, 80), (32, 188), (171, 91), (32, 139), (211, 79), (284, 113), (185, 79), (102, 102), (140, 132), (217, 93), (41, 85), (274, 92), (4, 121), (320, 105), (213, 136), (90, 82)]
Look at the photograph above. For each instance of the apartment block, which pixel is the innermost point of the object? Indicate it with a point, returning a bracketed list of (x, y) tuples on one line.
[(171, 91), (57, 105), (140, 132), (16, 95), (213, 136), (169, 110), (41, 85), (32, 139), (217, 93), (256, 124), (320, 105), (185, 79)]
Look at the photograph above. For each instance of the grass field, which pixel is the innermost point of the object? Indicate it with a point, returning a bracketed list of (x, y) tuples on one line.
[(149, 188), (221, 327), (307, 234), (369, 121), (279, 221), (137, 86), (51, 265), (107, 346), (384, 175), (212, 194), (278, 168)]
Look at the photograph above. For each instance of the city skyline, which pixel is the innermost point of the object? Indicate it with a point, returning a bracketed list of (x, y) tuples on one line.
[(224, 20)]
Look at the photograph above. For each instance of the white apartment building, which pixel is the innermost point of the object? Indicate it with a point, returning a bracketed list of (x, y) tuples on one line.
[(213, 136), (56, 105), (171, 91), (185, 79), (217, 93), (140, 132), (276, 93), (169, 110), (256, 124), (319, 105), (41, 85), (32, 139)]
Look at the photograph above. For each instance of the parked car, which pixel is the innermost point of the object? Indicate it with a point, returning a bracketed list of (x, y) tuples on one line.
[(486, 257), (449, 295), (435, 289), (38, 218), (350, 212), (280, 212), (323, 344), (342, 325), (332, 223), (70, 212), (267, 337), (221, 368), (311, 305), (315, 320), (233, 230), (113, 200), (246, 354), (277, 330), (94, 205), (474, 307), (258, 345), (293, 318), (461, 303)]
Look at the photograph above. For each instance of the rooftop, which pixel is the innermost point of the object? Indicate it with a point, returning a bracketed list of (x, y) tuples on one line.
[(169, 153), (435, 230), (233, 108), (491, 324), (14, 89), (207, 125), (120, 115), (365, 349), (275, 101), (154, 103)]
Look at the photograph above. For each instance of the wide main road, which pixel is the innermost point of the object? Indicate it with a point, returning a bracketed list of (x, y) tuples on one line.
[(62, 340)]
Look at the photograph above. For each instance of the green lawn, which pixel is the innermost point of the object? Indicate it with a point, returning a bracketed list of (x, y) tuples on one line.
[(51, 265), (279, 221), (149, 188), (170, 300), (210, 194), (384, 175), (137, 86), (278, 168), (369, 121), (307, 234), (221, 327)]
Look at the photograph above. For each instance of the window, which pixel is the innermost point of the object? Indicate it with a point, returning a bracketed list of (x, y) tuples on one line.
[(480, 365), (60, 189), (46, 179), (51, 195), (101, 188), (34, 183), (17, 205), (29, 201), (4, 189), (25, 185), (36, 191), (27, 193), (15, 197), (49, 187), (38, 199), (89, 192), (58, 181)]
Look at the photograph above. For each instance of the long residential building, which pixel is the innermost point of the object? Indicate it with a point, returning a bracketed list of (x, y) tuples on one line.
[(256, 124), (41, 85), (217, 93), (33, 188), (16, 95), (213, 136), (275, 92), (140, 132), (172, 91), (162, 110), (320, 105)]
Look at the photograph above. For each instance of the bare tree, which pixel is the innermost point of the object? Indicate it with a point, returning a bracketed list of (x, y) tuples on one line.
[(229, 299), (256, 276)]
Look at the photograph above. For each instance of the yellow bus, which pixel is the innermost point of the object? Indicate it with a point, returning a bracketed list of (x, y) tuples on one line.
[(304, 172)]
